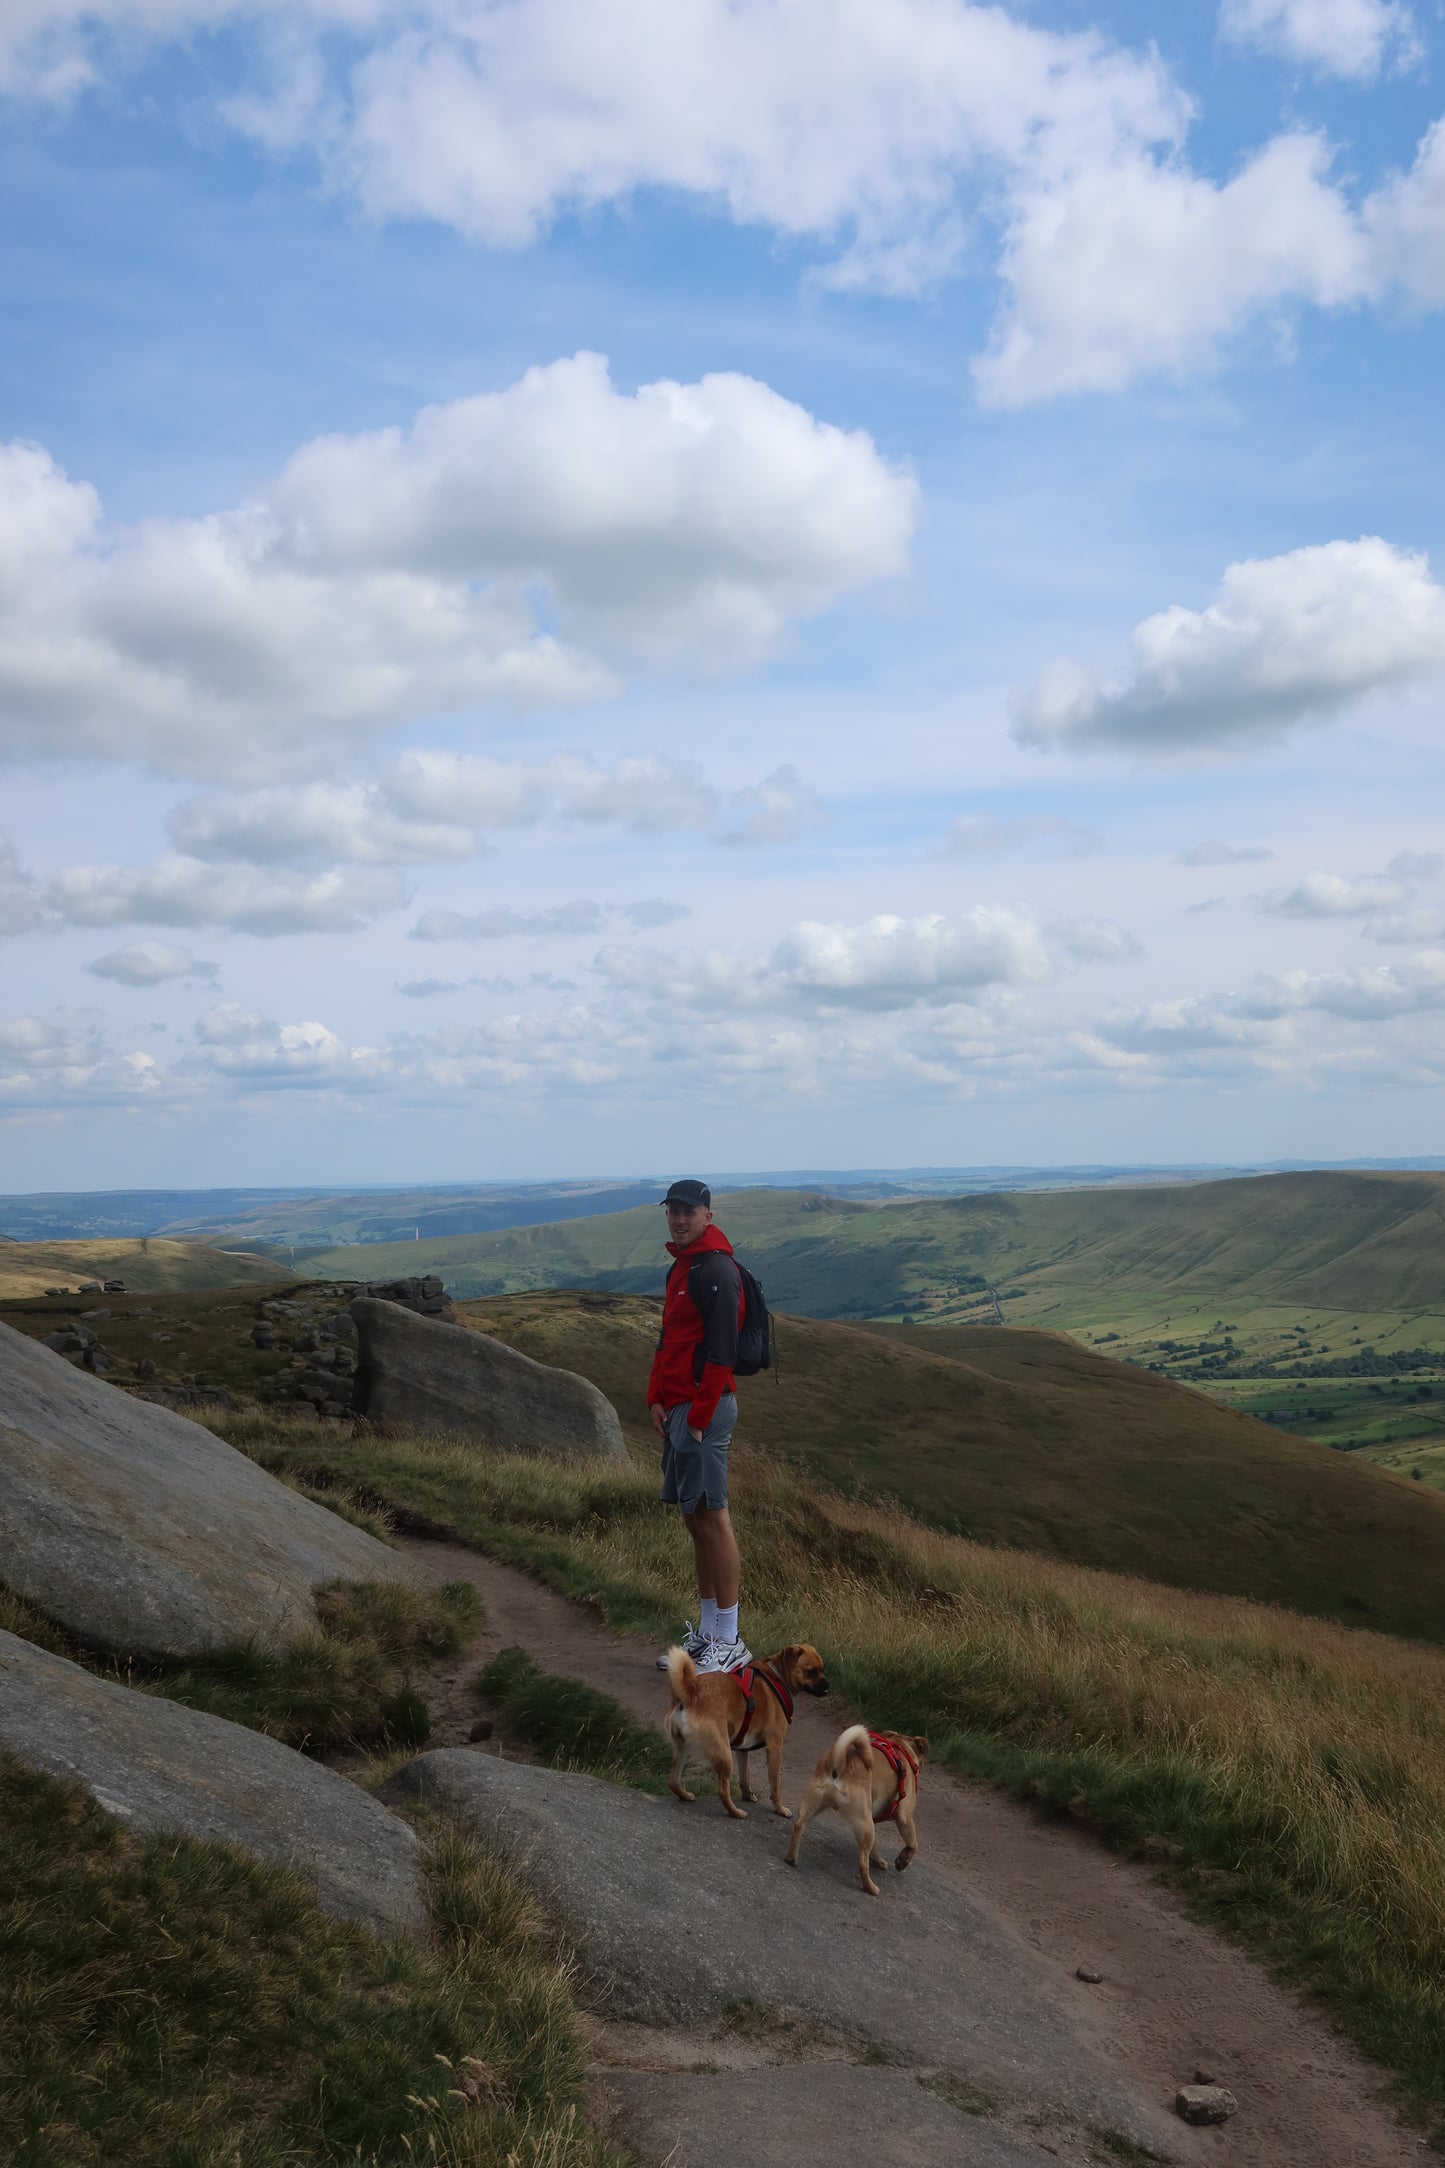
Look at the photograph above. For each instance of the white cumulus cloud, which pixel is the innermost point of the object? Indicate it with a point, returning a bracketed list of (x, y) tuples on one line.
[(188, 892), (885, 963), (148, 963), (1216, 853), (1350, 38), (1305, 634), (393, 575), (312, 824), (1330, 895), (887, 140)]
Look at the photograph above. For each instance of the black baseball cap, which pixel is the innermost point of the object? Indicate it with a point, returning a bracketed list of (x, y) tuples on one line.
[(688, 1193)]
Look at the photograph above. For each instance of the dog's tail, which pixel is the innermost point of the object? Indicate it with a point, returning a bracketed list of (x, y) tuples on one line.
[(852, 1755), (681, 1675)]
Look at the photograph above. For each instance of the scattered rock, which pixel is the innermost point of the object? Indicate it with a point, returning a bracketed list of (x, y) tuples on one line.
[(1205, 2077), (90, 1287), (155, 1765), (420, 1373), (1088, 1974), (90, 1314), (1205, 2103), (113, 1287), (664, 1903), (57, 1290), (263, 1336), (428, 1297), (143, 1533)]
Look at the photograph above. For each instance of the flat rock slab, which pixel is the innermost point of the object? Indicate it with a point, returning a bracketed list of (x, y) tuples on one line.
[(157, 1766), (419, 1373), (785, 2118), (140, 1531), (678, 1914)]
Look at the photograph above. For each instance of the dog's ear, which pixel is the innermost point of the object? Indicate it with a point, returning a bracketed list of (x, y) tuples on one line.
[(792, 1656), (920, 1746)]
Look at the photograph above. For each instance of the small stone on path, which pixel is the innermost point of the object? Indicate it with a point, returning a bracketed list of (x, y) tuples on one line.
[(1205, 2103), (1088, 1974)]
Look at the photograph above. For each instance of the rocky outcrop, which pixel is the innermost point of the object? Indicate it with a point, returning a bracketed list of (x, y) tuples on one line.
[(141, 1532), (157, 1766), (416, 1373), (677, 1914)]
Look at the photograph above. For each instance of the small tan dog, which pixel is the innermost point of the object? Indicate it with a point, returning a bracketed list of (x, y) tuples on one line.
[(717, 1714), (868, 1777)]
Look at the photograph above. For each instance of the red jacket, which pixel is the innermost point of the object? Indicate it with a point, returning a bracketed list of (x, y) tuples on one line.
[(701, 1313)]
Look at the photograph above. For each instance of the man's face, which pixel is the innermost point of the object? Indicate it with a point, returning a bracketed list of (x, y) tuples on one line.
[(685, 1222)]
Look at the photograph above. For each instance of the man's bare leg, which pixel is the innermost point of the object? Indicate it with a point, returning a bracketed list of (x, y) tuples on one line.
[(715, 1554)]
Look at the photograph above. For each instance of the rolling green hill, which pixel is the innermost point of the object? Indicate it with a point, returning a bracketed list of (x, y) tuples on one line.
[(1036, 1443), (1356, 1243)]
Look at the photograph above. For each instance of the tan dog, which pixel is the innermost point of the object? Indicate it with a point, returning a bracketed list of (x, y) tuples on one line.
[(716, 1714), (869, 1777)]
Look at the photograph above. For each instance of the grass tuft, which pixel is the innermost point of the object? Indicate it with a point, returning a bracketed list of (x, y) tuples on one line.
[(349, 1683), (570, 1725), (174, 2004)]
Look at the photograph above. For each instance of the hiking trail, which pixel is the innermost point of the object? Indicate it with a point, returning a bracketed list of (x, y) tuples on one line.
[(1033, 1900)]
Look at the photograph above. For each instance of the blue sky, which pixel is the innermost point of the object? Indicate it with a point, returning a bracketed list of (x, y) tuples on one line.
[(749, 582)]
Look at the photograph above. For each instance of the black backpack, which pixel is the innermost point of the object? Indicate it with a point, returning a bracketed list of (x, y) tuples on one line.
[(755, 1334)]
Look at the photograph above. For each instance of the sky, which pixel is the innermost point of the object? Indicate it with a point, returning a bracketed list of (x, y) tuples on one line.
[(600, 586)]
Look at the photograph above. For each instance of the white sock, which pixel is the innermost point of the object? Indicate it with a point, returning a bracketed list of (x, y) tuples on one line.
[(726, 1627), (707, 1624)]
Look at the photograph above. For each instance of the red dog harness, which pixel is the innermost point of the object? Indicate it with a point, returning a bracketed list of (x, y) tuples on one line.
[(901, 1762), (780, 1694)]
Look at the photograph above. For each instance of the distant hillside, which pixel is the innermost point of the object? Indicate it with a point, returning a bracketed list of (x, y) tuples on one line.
[(147, 1267), (1342, 1241), (1039, 1444)]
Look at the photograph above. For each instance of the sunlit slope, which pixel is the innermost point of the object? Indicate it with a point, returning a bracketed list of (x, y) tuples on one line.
[(147, 1267), (1039, 1444), (1339, 1241)]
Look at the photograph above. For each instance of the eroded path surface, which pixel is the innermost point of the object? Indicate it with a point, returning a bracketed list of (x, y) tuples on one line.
[(1174, 1999)]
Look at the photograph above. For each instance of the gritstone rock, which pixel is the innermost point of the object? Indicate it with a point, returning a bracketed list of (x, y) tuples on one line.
[(419, 1374), (141, 1532), (155, 1765), (677, 1913)]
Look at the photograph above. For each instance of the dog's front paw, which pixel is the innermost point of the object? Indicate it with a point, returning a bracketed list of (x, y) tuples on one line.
[(786, 1813)]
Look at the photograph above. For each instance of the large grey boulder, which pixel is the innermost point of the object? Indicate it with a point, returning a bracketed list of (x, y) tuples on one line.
[(678, 1913), (417, 1373), (140, 1531), (157, 1766)]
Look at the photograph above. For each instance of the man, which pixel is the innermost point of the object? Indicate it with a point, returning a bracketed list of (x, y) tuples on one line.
[(694, 1411)]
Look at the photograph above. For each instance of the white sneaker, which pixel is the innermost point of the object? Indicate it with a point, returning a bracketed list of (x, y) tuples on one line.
[(724, 1656), (694, 1642)]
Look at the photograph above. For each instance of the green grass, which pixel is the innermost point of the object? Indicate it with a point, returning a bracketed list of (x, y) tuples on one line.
[(1289, 1773), (570, 1725), (350, 1683), (170, 2004)]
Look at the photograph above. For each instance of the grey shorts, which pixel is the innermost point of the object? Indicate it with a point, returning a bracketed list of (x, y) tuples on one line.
[(696, 1474)]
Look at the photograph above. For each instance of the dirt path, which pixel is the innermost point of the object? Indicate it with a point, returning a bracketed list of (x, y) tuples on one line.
[(1174, 1998)]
